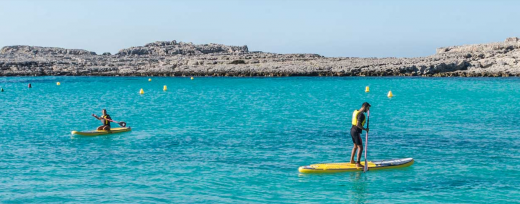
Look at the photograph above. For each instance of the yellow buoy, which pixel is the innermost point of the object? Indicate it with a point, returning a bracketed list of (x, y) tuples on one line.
[(141, 91), (191, 78), (58, 83), (367, 89), (165, 88), (390, 95), (150, 79)]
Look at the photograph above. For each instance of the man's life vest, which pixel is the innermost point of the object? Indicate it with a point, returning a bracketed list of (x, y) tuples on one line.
[(106, 121), (354, 118)]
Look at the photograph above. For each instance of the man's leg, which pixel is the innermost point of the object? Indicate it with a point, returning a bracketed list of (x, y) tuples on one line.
[(354, 134), (360, 151), (103, 127), (353, 154)]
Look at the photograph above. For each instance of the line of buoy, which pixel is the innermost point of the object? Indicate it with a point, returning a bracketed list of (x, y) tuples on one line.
[(390, 94), (165, 88), (58, 83)]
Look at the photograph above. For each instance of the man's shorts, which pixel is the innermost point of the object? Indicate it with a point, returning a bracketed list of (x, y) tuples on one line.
[(356, 136)]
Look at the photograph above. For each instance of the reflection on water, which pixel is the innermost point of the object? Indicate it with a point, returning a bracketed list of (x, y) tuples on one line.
[(358, 187)]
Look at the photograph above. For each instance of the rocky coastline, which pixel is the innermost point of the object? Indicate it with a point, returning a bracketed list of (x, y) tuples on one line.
[(171, 58)]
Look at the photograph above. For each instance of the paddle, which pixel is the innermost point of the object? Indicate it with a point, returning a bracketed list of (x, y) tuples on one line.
[(365, 168), (122, 124)]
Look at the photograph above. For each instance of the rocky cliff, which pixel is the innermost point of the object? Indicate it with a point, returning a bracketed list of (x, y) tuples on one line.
[(167, 48), (171, 58)]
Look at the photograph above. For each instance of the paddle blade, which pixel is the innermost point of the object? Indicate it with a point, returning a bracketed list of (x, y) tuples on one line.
[(122, 124)]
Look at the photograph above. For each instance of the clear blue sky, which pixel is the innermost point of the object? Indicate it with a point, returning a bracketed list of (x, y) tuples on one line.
[(358, 28)]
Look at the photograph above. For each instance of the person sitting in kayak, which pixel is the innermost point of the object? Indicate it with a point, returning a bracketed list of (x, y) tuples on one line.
[(358, 121), (105, 119)]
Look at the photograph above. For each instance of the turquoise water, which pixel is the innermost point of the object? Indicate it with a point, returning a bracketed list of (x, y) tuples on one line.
[(241, 140)]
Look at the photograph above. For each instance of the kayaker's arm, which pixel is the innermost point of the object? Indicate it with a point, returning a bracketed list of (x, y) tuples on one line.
[(122, 124), (108, 118)]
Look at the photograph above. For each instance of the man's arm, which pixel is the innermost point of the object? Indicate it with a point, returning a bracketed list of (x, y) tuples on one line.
[(95, 116), (360, 124)]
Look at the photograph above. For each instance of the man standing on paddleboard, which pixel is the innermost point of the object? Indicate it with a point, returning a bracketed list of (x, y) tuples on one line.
[(358, 121), (105, 119)]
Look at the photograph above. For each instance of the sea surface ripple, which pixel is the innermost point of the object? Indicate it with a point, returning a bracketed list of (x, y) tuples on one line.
[(241, 140)]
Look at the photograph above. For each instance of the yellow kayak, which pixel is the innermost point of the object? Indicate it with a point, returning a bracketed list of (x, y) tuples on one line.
[(345, 167), (102, 132)]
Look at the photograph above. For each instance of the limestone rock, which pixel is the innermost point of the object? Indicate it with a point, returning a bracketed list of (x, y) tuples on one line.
[(35, 50), (172, 58), (167, 48)]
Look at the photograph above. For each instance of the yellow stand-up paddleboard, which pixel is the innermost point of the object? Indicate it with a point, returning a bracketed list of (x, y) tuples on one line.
[(102, 132), (346, 167)]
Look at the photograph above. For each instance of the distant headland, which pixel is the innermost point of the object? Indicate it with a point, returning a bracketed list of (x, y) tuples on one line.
[(171, 58)]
